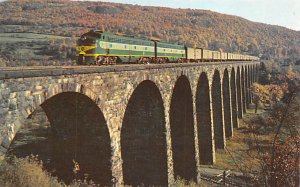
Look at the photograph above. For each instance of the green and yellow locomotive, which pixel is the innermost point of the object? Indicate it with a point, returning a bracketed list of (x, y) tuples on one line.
[(97, 47)]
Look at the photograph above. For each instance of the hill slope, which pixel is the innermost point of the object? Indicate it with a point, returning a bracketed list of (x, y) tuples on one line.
[(186, 26)]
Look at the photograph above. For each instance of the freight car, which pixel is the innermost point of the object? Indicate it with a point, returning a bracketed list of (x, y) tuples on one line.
[(99, 48)]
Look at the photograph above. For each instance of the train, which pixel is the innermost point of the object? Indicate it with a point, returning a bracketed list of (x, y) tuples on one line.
[(104, 48)]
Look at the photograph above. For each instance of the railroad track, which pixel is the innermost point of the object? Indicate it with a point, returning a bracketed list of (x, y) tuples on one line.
[(41, 71), (114, 66)]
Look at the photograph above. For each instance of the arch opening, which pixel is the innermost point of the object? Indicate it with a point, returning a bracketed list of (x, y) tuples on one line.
[(250, 83), (227, 105), (182, 130), (205, 141), (247, 93), (76, 131), (233, 100), (243, 85), (217, 111), (239, 93), (143, 141)]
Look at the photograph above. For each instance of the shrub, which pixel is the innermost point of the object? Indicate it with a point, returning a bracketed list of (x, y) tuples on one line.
[(25, 172)]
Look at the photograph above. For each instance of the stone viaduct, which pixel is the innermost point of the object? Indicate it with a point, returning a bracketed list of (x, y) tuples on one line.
[(142, 124)]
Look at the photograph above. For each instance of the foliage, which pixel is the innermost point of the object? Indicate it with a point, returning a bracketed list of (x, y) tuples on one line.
[(282, 168), (267, 149), (267, 95), (29, 172), (3, 62), (25, 172), (279, 158)]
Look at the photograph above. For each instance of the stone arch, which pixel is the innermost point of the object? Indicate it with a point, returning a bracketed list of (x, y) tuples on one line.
[(182, 130), (253, 73), (227, 105), (205, 140), (233, 94), (35, 99), (218, 123), (78, 131), (143, 139), (246, 78), (243, 89), (256, 75), (53, 90), (239, 93), (251, 82)]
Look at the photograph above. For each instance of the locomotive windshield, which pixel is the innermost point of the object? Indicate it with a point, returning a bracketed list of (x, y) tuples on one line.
[(89, 38), (86, 40)]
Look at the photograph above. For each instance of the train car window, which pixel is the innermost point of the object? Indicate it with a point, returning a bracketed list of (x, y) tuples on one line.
[(110, 45), (134, 47), (125, 46)]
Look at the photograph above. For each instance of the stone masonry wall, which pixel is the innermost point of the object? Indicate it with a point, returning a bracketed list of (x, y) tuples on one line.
[(21, 92)]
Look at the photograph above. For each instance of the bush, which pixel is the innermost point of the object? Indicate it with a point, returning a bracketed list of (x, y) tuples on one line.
[(25, 172)]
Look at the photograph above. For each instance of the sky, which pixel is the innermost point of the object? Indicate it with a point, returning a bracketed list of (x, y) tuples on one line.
[(276, 12)]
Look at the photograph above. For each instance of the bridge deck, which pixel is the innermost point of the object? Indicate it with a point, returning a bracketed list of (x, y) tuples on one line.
[(41, 71)]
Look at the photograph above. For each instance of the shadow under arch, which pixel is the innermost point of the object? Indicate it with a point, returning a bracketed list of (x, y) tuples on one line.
[(217, 111), (227, 105), (239, 93), (143, 139), (247, 95), (77, 131), (243, 87), (233, 93), (204, 125), (182, 130)]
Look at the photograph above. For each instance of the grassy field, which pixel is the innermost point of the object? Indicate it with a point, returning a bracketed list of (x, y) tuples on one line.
[(240, 154), (26, 49), (27, 37)]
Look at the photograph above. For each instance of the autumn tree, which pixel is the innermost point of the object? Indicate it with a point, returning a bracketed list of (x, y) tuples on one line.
[(278, 157)]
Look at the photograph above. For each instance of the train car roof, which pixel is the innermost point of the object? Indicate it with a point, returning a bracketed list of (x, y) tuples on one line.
[(170, 44), (122, 36)]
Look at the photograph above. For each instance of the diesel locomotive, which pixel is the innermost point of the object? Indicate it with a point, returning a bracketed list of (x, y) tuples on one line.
[(101, 48)]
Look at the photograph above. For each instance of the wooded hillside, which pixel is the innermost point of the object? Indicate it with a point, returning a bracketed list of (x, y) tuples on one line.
[(185, 26)]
